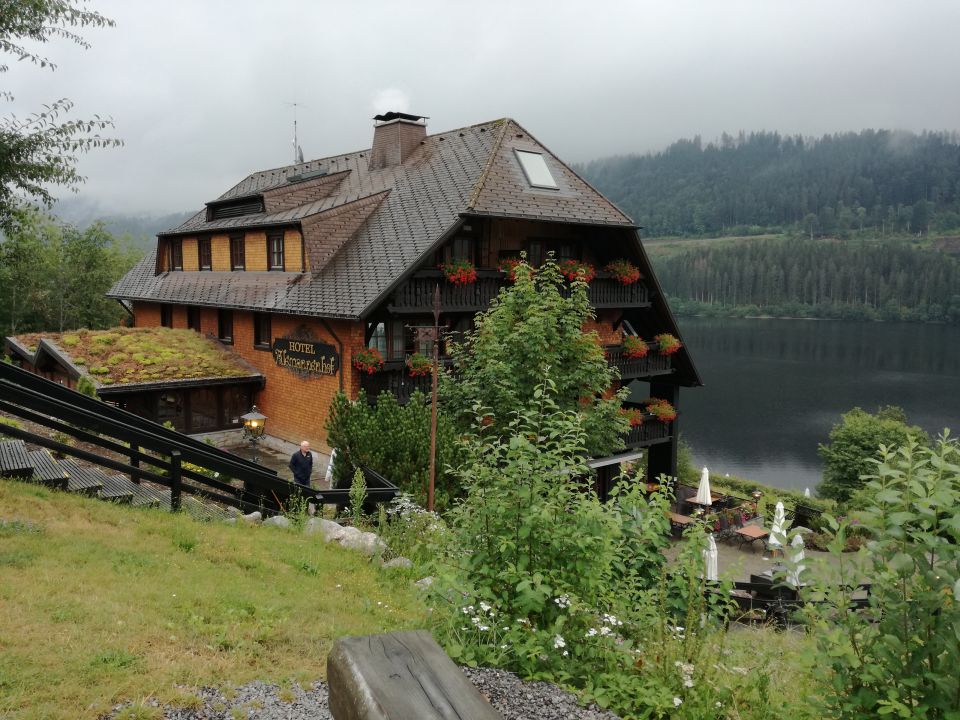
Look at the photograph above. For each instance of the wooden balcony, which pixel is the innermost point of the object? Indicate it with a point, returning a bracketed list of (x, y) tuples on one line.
[(395, 378), (605, 292), (652, 432), (633, 368), (415, 296)]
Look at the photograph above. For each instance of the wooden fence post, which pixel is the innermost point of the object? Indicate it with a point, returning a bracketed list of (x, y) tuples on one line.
[(134, 463), (174, 480)]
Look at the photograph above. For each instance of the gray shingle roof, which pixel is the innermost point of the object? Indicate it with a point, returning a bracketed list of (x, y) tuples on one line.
[(469, 170)]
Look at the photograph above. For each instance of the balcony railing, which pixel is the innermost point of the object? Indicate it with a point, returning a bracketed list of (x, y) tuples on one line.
[(416, 294), (395, 377), (651, 432), (632, 368)]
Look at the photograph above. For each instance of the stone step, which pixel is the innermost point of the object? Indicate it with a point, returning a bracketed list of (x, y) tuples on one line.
[(117, 488), (47, 470), (14, 460), (84, 480)]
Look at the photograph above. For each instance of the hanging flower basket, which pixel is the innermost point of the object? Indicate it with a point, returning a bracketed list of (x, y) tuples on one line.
[(419, 365), (634, 347), (368, 360), (508, 266), (574, 269), (459, 272), (633, 415), (664, 411), (667, 343), (623, 271)]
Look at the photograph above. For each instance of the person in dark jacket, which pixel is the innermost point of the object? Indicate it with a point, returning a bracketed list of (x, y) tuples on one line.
[(301, 463)]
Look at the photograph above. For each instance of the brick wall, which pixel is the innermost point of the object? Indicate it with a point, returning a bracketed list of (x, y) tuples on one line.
[(297, 407), (326, 233)]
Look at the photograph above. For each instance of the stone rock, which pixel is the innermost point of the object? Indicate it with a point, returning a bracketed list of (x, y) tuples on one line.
[(231, 521), (330, 530), (349, 537), (398, 562), (277, 521), (424, 583), (370, 544), (255, 517)]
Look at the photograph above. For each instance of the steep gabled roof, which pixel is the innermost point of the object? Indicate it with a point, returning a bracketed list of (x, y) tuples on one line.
[(409, 208)]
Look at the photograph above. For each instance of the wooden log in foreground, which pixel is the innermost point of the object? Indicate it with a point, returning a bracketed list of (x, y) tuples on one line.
[(400, 676)]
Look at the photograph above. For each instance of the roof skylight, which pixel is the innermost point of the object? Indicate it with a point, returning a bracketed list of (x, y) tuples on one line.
[(535, 168)]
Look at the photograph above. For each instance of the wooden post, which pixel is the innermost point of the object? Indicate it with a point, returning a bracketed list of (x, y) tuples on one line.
[(175, 484), (433, 402), (135, 463)]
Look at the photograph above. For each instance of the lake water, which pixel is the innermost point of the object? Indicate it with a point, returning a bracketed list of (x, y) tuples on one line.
[(774, 388)]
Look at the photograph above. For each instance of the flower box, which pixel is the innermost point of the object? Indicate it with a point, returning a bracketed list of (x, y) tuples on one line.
[(634, 347), (576, 270), (459, 272), (663, 409), (368, 360), (419, 365), (623, 271), (667, 344)]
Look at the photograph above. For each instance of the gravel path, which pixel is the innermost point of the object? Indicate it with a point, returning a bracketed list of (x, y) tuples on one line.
[(515, 699)]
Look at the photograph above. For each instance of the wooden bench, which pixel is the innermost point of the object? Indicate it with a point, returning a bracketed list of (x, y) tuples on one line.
[(400, 676)]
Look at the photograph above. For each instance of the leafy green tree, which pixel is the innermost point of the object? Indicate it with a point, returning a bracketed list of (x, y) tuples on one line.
[(531, 331), (54, 277), (854, 445), (899, 656), (41, 150)]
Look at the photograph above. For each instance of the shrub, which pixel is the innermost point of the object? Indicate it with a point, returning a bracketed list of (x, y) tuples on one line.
[(393, 440), (358, 496), (854, 443), (898, 657)]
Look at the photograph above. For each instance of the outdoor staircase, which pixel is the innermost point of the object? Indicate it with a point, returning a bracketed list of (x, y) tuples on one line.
[(39, 466)]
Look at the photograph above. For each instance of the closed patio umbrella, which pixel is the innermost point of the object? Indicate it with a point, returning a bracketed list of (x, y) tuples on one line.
[(806, 492), (778, 531), (797, 556), (703, 491), (328, 475), (710, 560)]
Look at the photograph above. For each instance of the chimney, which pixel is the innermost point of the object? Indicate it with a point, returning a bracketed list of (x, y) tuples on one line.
[(396, 136)]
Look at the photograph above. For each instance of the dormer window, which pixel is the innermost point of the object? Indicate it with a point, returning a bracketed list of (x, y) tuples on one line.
[(535, 168), (222, 209), (176, 254)]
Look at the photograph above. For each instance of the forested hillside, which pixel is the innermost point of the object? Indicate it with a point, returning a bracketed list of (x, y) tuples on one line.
[(890, 280), (879, 181)]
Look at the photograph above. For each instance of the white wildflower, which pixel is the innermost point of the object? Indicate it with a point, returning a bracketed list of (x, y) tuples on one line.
[(565, 653), (563, 601), (475, 620), (483, 628), (605, 630), (559, 642), (591, 632), (677, 702), (688, 682), (484, 606)]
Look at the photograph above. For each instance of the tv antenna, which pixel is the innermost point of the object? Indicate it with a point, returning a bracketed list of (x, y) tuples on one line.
[(297, 150)]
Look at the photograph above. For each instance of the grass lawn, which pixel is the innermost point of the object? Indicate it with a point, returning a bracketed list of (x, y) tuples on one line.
[(102, 603)]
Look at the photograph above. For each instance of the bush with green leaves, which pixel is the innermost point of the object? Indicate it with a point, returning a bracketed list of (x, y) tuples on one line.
[(898, 657), (393, 440), (854, 443), (358, 496), (535, 327), (541, 578)]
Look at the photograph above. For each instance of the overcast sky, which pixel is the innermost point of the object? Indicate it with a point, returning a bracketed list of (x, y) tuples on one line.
[(201, 91)]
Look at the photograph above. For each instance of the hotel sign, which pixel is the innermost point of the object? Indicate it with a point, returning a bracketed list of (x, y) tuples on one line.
[(304, 356)]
